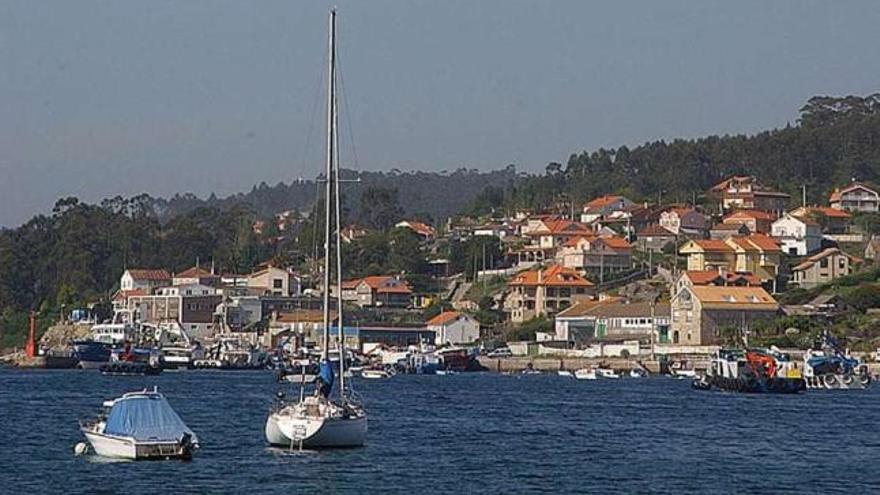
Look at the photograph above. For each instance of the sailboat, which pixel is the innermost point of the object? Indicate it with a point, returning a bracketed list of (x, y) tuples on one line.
[(321, 420)]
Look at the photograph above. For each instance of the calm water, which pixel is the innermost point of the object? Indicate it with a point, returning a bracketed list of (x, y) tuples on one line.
[(457, 434)]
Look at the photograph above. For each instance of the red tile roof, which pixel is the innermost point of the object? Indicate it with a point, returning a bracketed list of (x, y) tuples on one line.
[(562, 227), (655, 230), (149, 274), (125, 294), (194, 272), (554, 275), (835, 196), (573, 242), (825, 210), (383, 284), (749, 214), (443, 318), (616, 242), (712, 245), (711, 277), (603, 201), (418, 227)]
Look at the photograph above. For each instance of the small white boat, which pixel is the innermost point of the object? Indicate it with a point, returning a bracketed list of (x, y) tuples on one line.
[(371, 374), (684, 373), (637, 373), (565, 373), (446, 372), (606, 373), (585, 374), (140, 425)]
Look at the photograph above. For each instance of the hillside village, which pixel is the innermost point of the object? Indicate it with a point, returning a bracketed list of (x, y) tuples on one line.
[(611, 277)]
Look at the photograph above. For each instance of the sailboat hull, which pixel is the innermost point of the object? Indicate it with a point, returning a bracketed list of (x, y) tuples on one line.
[(316, 432)]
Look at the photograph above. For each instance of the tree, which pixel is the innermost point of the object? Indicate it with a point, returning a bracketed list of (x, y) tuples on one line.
[(380, 208)]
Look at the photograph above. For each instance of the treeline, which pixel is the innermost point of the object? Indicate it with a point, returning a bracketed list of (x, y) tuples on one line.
[(835, 140), (429, 195)]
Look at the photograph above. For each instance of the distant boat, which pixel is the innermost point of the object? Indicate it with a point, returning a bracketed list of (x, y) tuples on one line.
[(585, 374), (637, 373), (606, 373), (317, 420), (565, 373), (140, 425), (373, 374), (91, 354)]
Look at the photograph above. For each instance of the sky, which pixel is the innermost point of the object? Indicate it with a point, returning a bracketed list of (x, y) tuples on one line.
[(119, 97)]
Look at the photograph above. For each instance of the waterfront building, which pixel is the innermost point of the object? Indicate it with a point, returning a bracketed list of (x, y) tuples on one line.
[(543, 291), (275, 281), (377, 290), (701, 313), (613, 319), (454, 327)]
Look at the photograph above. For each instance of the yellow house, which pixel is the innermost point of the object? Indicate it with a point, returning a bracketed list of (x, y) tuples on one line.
[(756, 253)]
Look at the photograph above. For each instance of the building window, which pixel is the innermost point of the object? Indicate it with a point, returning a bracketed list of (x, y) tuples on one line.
[(823, 263), (277, 283), (841, 263)]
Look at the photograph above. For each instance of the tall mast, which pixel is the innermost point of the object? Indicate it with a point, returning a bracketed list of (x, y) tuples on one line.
[(338, 204), (329, 177)]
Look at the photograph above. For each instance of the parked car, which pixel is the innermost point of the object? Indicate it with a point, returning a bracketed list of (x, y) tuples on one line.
[(501, 352)]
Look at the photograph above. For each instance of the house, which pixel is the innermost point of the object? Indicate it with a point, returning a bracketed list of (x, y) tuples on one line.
[(556, 232), (353, 232), (833, 221), (758, 222), (544, 291), (655, 238), (855, 197), (147, 279), (684, 221), (275, 281), (702, 314), (613, 319), (708, 254), (746, 193), (718, 278), (799, 236), (598, 254), (604, 206), (190, 307), (453, 327), (721, 231), (424, 231), (196, 276), (822, 267), (756, 253), (377, 290)]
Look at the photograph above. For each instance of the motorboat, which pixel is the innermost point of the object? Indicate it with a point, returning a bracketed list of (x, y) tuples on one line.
[(637, 373), (682, 374), (140, 425), (606, 373), (130, 360), (565, 373), (120, 329), (300, 371), (320, 419), (830, 367), (447, 372), (375, 374), (585, 374)]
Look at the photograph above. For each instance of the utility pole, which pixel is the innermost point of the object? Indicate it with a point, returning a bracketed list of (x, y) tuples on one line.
[(804, 195)]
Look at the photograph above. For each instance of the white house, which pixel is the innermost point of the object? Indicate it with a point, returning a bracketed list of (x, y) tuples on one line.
[(275, 281), (683, 221), (452, 327), (798, 236), (135, 278)]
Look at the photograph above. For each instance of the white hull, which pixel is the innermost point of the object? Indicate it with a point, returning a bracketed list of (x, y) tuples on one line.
[(112, 447), (128, 448), (300, 378), (90, 365), (564, 373), (313, 432), (603, 373), (585, 374), (375, 374), (684, 373)]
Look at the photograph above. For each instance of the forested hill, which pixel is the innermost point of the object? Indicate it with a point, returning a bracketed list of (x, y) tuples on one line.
[(836, 140), (428, 195)]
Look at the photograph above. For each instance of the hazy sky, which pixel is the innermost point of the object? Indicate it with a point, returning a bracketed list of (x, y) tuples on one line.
[(99, 98)]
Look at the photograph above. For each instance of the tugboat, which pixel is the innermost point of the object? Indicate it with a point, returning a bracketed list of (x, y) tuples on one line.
[(132, 361), (829, 367), (752, 371)]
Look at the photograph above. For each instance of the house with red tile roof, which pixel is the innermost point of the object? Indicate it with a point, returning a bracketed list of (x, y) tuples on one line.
[(719, 278), (196, 276), (701, 312), (798, 236), (543, 291), (596, 254), (454, 328), (757, 253), (822, 268), (378, 290), (684, 221), (146, 279), (747, 193), (855, 197), (654, 238), (758, 222), (423, 230), (833, 221), (604, 206)]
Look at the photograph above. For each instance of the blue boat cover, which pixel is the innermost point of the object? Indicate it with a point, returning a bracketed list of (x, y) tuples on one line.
[(145, 417), (327, 377)]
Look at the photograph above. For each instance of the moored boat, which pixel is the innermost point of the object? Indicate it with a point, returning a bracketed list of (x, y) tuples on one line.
[(585, 374), (831, 368), (752, 371), (140, 425), (606, 373)]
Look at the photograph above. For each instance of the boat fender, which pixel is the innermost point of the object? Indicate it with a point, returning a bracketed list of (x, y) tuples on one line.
[(847, 379), (829, 380), (81, 448), (865, 380)]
